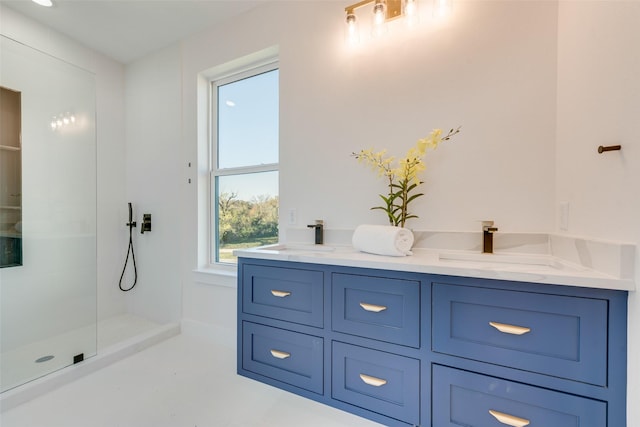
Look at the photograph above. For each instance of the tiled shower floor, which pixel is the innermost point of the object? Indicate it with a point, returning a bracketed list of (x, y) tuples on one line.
[(185, 381)]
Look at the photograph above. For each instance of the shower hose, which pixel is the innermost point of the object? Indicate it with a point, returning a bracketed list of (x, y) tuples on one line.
[(130, 224)]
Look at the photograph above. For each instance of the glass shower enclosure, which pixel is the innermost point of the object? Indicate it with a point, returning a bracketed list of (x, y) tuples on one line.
[(47, 214)]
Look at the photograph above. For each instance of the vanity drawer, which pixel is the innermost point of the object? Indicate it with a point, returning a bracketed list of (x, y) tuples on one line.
[(282, 355), (380, 308), (462, 398), (290, 294), (554, 335), (380, 382)]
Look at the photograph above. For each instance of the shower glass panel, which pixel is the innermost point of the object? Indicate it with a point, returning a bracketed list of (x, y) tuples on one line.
[(48, 299)]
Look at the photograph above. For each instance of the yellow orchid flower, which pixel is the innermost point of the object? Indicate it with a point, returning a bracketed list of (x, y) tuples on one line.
[(404, 177)]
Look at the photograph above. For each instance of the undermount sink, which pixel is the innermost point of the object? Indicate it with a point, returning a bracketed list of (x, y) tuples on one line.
[(301, 247), (500, 259)]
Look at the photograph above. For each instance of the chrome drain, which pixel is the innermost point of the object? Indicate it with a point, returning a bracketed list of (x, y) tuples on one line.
[(44, 358)]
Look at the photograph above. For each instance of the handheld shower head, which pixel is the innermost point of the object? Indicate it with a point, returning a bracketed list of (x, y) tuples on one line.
[(130, 251), (131, 222)]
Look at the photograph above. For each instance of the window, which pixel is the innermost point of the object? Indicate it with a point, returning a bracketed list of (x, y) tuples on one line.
[(244, 172)]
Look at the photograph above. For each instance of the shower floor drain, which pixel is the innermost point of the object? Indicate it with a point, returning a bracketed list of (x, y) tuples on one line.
[(44, 358)]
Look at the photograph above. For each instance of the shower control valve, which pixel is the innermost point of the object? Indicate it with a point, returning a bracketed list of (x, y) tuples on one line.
[(146, 223)]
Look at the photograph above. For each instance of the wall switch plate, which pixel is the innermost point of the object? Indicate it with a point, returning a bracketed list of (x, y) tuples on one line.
[(564, 216), (292, 218)]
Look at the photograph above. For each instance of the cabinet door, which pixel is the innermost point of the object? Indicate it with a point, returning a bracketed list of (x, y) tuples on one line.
[(380, 308), (381, 382), (282, 355), (462, 398), (290, 294), (549, 334)]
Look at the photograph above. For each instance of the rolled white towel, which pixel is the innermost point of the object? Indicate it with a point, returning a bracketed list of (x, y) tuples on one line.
[(383, 240)]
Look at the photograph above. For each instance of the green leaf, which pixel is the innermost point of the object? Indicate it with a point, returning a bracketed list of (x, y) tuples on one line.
[(412, 186), (415, 196)]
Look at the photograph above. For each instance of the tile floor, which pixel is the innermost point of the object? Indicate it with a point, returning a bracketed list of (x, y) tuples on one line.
[(185, 381)]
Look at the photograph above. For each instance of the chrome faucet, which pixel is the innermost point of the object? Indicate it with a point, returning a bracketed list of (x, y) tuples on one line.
[(487, 236), (319, 227)]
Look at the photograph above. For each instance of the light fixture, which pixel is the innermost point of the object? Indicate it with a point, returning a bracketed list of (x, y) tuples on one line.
[(379, 13), (45, 3), (379, 19), (411, 7), (411, 12), (353, 35), (383, 12)]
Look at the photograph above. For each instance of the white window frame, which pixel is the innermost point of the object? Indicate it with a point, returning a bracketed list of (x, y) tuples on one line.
[(214, 171)]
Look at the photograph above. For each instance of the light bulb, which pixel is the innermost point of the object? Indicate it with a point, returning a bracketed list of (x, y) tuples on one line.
[(65, 120), (378, 13), (379, 19), (411, 12), (443, 8), (352, 34), (53, 125), (411, 8)]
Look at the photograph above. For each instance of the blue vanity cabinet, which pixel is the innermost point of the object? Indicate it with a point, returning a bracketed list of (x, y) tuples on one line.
[(381, 382), (280, 324), (287, 293), (348, 338), (381, 314), (286, 356), (415, 349), (381, 308), (462, 398), (516, 353), (561, 336)]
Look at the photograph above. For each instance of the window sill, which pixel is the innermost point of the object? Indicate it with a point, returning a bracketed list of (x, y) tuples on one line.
[(216, 275)]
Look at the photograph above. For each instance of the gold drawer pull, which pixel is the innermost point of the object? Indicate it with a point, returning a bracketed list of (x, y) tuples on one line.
[(509, 420), (280, 294), (280, 354), (373, 381), (372, 307), (510, 329)]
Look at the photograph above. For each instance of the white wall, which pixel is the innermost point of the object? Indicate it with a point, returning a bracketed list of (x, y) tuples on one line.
[(598, 104), (154, 185), (109, 78), (497, 81)]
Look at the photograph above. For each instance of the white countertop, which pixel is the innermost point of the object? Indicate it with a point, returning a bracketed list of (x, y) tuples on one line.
[(535, 268)]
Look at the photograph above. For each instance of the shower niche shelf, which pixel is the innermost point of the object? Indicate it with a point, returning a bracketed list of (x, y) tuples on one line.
[(10, 177)]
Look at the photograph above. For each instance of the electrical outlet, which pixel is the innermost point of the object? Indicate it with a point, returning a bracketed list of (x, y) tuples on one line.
[(293, 217)]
